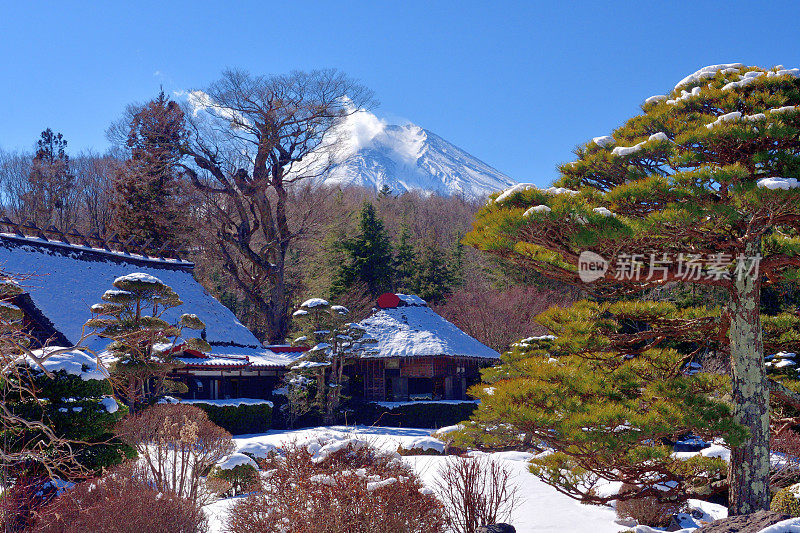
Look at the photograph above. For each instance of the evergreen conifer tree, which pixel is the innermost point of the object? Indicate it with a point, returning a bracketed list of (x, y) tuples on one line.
[(434, 276), (404, 260), (147, 202), (369, 256), (131, 315), (336, 344), (701, 188), (49, 182)]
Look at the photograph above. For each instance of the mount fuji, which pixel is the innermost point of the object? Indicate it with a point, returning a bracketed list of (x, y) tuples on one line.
[(374, 154)]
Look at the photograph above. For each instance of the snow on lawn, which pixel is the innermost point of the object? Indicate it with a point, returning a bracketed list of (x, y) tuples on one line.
[(540, 509)]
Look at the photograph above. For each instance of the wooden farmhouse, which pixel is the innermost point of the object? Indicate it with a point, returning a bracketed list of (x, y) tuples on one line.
[(418, 356), (62, 280)]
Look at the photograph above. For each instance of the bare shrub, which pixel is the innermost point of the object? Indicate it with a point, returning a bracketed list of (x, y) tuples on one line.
[(356, 489), (179, 445), (218, 487), (22, 500), (500, 317), (476, 491), (122, 501), (648, 510), (785, 472)]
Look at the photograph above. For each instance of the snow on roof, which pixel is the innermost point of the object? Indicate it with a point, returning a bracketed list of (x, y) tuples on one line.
[(243, 357), (63, 281), (413, 329), (75, 362)]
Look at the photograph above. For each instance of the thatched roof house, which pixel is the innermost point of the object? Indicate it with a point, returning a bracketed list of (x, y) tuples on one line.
[(419, 354), (63, 280)]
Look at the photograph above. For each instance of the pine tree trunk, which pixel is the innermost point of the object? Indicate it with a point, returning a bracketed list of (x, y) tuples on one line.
[(749, 468)]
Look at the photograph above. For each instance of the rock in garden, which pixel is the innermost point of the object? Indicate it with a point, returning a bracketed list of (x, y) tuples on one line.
[(750, 523)]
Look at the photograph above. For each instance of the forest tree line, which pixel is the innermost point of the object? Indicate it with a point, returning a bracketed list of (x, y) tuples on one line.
[(263, 236)]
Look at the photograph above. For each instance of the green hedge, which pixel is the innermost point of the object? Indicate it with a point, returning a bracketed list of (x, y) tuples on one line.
[(73, 409), (240, 419), (418, 415)]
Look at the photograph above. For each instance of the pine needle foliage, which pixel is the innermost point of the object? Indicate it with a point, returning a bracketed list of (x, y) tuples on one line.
[(706, 176), (317, 381), (608, 394), (132, 316)]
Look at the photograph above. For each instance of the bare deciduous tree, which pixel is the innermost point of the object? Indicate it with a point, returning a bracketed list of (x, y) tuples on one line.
[(251, 138), (499, 318)]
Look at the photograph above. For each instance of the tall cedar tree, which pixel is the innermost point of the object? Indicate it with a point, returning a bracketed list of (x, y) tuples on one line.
[(146, 199), (709, 171), (404, 260), (251, 138), (49, 182), (337, 343), (369, 257), (132, 316), (435, 275)]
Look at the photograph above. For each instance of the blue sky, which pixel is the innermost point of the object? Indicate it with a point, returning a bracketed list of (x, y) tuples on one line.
[(517, 84)]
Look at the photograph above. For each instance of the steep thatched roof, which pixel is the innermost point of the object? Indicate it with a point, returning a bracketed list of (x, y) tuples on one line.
[(405, 326), (62, 281)]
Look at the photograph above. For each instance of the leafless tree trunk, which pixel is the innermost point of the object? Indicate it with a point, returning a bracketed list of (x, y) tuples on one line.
[(251, 139)]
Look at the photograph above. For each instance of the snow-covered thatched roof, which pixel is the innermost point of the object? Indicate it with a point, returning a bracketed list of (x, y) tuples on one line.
[(405, 326), (62, 282)]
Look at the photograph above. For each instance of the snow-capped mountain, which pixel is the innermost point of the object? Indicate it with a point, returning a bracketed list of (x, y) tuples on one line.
[(408, 157)]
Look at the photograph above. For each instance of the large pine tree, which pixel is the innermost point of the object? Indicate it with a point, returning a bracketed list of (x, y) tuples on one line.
[(132, 317), (701, 188)]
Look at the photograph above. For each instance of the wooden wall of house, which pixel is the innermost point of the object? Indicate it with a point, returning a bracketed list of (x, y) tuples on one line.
[(391, 379), (224, 386)]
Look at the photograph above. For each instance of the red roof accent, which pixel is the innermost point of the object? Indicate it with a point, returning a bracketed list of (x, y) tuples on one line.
[(183, 350), (388, 300), (287, 349)]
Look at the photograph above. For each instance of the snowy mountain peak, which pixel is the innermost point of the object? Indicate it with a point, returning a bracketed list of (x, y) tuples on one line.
[(407, 157)]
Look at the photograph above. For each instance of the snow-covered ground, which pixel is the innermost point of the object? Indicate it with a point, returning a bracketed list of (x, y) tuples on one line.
[(541, 508)]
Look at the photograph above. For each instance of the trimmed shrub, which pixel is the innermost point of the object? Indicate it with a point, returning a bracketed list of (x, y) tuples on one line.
[(120, 502), (76, 410), (354, 488), (416, 415), (405, 452), (240, 419), (787, 501)]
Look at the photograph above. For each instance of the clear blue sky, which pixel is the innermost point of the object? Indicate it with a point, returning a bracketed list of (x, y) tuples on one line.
[(517, 84)]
